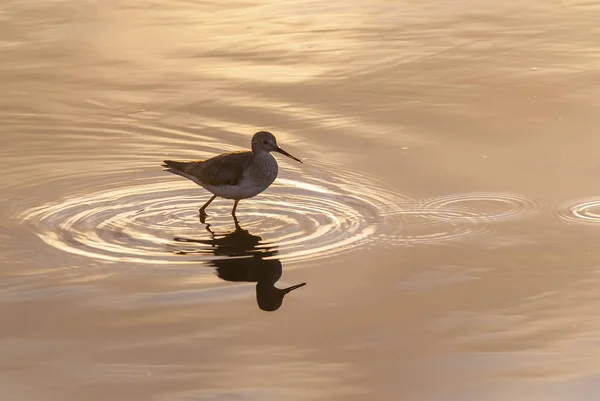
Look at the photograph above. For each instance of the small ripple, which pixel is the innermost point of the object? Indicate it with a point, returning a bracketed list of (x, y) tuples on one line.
[(482, 207), (581, 211)]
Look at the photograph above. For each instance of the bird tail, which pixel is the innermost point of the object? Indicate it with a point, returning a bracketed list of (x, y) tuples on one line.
[(175, 165), (180, 168)]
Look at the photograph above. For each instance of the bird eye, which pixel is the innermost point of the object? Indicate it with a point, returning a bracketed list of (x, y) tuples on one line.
[(265, 141)]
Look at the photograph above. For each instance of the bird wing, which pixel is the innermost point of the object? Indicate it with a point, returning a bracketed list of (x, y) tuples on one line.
[(226, 169)]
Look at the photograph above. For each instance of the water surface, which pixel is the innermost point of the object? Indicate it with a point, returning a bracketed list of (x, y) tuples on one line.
[(445, 218)]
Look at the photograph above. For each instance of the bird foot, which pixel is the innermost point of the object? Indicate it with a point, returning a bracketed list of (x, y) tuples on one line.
[(202, 216)]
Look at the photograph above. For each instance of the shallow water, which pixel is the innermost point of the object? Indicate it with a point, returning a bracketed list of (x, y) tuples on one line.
[(445, 218)]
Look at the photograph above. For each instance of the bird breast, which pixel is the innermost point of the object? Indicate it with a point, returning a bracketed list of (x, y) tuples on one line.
[(263, 170)]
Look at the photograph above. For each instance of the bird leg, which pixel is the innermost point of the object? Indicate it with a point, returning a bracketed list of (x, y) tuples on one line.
[(202, 212), (235, 203), (237, 223)]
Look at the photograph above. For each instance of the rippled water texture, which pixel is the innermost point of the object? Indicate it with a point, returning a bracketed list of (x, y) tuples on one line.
[(438, 243), (321, 211), (582, 211)]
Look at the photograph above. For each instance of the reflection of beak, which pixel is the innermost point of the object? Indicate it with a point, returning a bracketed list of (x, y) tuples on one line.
[(283, 152), (292, 288)]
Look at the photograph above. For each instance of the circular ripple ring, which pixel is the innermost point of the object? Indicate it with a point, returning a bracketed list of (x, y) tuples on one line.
[(328, 211), (581, 211), (483, 207)]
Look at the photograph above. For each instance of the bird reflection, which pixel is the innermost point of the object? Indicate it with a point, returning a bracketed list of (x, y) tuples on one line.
[(246, 262)]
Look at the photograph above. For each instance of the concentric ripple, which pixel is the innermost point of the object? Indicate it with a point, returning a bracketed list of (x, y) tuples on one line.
[(309, 219), (132, 212), (581, 211), (482, 207), (138, 223)]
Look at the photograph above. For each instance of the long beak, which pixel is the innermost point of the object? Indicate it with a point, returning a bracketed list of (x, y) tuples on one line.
[(292, 288), (283, 152)]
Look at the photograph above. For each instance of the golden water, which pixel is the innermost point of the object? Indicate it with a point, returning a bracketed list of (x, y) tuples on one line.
[(445, 219)]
